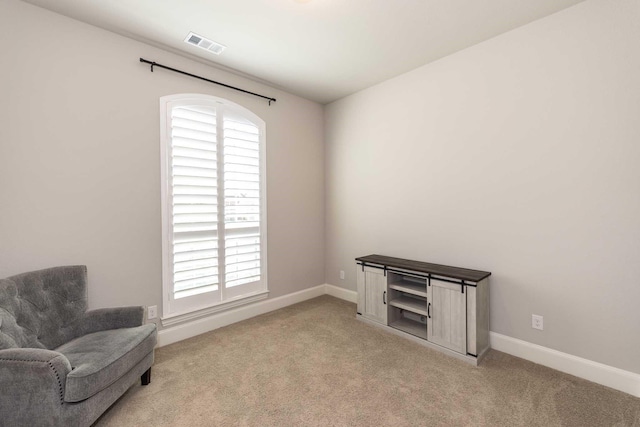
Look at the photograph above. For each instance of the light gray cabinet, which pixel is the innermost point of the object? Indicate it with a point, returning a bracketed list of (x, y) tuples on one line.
[(441, 307)]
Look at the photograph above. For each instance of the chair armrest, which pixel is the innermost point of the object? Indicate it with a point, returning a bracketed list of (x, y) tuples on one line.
[(32, 386), (104, 319)]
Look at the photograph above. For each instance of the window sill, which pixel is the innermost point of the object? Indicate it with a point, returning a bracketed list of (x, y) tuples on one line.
[(192, 315)]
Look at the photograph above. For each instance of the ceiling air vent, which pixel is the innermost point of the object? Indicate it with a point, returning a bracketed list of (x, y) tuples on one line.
[(204, 43)]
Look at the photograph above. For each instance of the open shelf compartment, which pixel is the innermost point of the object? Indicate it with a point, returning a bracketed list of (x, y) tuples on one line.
[(408, 322), (408, 284), (414, 305), (410, 288)]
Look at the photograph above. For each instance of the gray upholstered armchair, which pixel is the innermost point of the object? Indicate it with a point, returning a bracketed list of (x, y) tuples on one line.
[(61, 365)]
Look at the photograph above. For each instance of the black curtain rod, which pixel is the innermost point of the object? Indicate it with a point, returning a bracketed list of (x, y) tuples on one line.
[(155, 64)]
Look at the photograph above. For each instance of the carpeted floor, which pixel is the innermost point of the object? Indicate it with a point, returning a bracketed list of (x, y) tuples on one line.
[(314, 364)]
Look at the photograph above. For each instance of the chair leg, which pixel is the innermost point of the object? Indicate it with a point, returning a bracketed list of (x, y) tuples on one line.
[(146, 377)]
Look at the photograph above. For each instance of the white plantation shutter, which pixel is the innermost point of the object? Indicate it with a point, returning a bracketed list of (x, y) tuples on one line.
[(195, 204), (213, 217), (241, 201)]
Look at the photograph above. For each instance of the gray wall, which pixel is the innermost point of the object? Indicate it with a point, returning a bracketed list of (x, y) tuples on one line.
[(518, 156), (80, 158)]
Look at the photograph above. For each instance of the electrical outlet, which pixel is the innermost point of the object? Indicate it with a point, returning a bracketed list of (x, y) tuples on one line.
[(341, 274), (152, 312), (537, 322)]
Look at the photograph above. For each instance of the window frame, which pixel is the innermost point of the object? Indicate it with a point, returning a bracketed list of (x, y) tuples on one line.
[(192, 307)]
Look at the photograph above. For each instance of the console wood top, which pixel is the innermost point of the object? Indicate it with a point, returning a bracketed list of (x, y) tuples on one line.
[(425, 267)]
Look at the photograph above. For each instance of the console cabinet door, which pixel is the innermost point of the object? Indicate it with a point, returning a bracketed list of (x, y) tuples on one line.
[(372, 290), (447, 322)]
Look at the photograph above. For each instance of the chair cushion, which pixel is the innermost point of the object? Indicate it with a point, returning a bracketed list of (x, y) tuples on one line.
[(101, 358)]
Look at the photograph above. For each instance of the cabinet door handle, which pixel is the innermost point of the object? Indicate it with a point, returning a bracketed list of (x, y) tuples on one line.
[(384, 297), (429, 310)]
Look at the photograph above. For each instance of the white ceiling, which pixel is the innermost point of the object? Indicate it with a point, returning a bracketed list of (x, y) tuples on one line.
[(319, 49)]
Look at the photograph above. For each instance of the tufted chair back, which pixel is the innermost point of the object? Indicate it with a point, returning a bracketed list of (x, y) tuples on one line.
[(42, 309)]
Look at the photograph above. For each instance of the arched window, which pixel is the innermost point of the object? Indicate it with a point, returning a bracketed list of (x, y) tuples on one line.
[(213, 204)]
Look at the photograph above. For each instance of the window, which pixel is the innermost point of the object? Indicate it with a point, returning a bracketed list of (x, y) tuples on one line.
[(213, 204)]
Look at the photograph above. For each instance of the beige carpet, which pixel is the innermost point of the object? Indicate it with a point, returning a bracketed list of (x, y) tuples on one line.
[(314, 364)]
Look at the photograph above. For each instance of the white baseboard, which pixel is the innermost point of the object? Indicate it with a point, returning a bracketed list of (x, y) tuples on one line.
[(218, 320), (606, 375), (342, 293)]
